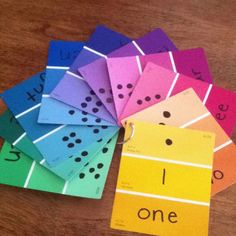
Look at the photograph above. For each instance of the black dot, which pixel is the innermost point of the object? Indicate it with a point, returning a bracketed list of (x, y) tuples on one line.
[(92, 92), (105, 150), (77, 159), (166, 114), (120, 96), (98, 120), (110, 91), (84, 113), (98, 103), (99, 140), (158, 96), (104, 127), (91, 170), (65, 138), (100, 165), (130, 94), (119, 86), (169, 141), (95, 110), (84, 119), (83, 104), (71, 112), (88, 99), (96, 131), (96, 176), (70, 145), (101, 90), (84, 153), (81, 175), (139, 102), (78, 140), (147, 99), (109, 141), (86, 164), (109, 100), (89, 126), (161, 123), (72, 134), (129, 86)]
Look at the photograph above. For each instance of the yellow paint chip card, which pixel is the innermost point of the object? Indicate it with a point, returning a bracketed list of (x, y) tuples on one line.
[(164, 183)]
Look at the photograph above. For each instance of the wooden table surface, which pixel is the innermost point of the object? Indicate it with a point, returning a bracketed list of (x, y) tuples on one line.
[(26, 27)]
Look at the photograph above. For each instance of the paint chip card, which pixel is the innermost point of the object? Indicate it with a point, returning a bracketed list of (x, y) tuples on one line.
[(125, 72), (72, 89), (18, 169), (96, 74), (157, 83), (164, 190), (186, 110), (64, 140)]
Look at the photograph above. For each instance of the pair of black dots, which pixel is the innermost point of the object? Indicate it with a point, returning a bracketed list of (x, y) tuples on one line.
[(103, 92)]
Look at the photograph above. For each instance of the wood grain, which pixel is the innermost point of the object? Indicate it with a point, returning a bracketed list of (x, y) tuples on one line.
[(26, 27)]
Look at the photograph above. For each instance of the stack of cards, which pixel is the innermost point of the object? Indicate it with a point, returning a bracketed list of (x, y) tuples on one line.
[(61, 127)]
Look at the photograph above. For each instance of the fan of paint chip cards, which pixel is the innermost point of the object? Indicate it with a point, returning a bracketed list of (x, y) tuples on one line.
[(61, 127)]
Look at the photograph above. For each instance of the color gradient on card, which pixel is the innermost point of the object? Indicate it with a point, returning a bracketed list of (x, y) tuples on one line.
[(186, 110), (157, 84), (161, 190), (12, 132), (72, 89), (18, 169), (64, 140), (125, 72), (96, 74)]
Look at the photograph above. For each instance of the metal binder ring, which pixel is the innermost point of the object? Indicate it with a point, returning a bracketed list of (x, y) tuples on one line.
[(131, 125)]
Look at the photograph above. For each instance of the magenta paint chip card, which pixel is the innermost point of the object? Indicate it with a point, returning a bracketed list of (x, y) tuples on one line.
[(158, 83), (96, 73), (125, 71)]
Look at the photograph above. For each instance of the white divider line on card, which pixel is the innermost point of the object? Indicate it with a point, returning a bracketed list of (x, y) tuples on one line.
[(28, 110), (58, 67), (139, 64), (48, 134), (42, 162), (152, 158), (195, 120), (29, 174), (65, 187), (172, 61), (163, 197), (95, 52), (172, 85), (207, 94), (19, 139), (46, 96), (223, 145), (139, 49), (74, 75)]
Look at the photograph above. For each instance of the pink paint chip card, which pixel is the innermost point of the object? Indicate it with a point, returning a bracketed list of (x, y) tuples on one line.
[(158, 83), (96, 74), (125, 71)]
